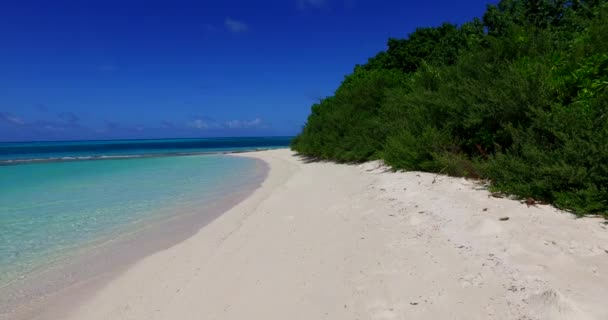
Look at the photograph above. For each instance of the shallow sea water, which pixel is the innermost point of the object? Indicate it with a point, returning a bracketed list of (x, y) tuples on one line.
[(49, 211)]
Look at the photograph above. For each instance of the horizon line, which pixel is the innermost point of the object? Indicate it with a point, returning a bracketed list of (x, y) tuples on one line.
[(147, 139)]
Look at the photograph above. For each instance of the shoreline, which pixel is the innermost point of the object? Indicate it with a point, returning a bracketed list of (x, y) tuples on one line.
[(320, 240), (48, 293)]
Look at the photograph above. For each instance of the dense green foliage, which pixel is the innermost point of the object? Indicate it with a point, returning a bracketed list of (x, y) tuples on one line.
[(520, 98)]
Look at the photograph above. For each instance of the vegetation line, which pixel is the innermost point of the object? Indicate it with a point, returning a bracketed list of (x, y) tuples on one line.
[(519, 97)]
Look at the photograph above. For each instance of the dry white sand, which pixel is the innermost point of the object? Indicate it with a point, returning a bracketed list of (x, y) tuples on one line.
[(328, 241)]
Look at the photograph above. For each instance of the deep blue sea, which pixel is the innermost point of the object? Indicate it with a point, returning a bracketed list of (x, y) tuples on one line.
[(57, 198), (23, 152)]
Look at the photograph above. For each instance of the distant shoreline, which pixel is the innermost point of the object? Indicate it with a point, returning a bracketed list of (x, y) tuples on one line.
[(127, 156), (147, 139)]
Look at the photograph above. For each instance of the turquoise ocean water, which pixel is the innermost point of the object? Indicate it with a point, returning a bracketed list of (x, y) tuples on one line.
[(52, 208)]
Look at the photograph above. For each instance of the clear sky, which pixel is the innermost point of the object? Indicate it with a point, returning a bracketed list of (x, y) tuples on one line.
[(151, 69)]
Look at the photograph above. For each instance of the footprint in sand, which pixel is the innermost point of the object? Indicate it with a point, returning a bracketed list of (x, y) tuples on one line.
[(471, 280), (552, 305)]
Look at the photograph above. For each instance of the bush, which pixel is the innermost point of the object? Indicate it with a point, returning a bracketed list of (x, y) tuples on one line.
[(524, 105)]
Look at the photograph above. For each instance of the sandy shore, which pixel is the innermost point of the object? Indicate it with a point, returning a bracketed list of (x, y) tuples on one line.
[(328, 241)]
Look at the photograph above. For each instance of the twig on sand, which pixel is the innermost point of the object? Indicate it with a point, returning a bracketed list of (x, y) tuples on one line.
[(376, 168), (437, 175)]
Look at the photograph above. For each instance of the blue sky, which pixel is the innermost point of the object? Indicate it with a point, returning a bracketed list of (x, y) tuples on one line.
[(149, 69)]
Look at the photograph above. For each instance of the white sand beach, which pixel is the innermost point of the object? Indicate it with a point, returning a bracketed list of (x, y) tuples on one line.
[(327, 241)]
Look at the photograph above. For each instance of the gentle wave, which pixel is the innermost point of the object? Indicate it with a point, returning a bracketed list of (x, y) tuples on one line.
[(120, 157), (114, 146)]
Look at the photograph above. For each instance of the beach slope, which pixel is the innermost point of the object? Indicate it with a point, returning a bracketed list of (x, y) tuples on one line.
[(326, 241)]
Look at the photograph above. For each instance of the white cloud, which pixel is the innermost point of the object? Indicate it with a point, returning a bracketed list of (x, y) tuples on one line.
[(11, 119), (235, 26), (242, 124), (325, 4), (199, 124), (206, 124)]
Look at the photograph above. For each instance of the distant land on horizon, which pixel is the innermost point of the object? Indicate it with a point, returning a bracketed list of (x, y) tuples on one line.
[(150, 139)]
